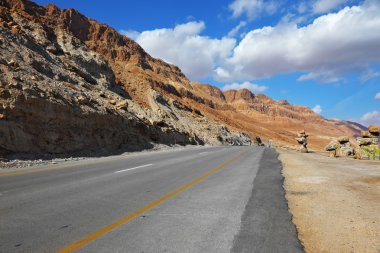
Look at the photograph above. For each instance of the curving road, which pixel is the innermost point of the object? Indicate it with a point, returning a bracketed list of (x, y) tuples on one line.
[(199, 199)]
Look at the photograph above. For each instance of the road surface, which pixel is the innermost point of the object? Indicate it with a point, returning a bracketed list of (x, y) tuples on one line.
[(207, 199)]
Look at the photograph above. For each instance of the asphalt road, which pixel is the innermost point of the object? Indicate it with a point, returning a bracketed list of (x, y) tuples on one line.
[(209, 199)]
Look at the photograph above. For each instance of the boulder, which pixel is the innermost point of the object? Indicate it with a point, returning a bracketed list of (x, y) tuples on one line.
[(333, 145), (374, 130), (364, 141), (301, 140), (343, 139), (366, 134), (304, 149), (370, 152), (347, 151)]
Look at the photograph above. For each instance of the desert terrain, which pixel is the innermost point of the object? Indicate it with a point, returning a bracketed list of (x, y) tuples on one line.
[(334, 202)]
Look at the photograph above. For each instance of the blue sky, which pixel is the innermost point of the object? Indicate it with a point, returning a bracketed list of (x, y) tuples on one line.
[(324, 54)]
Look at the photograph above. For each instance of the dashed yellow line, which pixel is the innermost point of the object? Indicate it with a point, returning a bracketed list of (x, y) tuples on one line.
[(91, 237)]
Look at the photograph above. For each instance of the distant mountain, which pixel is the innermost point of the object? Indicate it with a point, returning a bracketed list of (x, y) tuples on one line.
[(69, 84)]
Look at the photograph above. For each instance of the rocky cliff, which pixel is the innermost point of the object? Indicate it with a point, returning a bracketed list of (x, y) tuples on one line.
[(69, 84)]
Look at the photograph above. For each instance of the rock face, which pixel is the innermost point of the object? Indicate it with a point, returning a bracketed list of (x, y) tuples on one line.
[(60, 92), (69, 84)]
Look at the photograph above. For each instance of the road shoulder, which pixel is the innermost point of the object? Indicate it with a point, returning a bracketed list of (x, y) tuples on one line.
[(334, 202), (266, 225)]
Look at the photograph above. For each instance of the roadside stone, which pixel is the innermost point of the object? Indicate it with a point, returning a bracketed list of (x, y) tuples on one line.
[(347, 151), (366, 134), (364, 141), (302, 140), (332, 146), (343, 139), (374, 130)]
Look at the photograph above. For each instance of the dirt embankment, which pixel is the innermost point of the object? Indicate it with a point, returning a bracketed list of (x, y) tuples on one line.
[(335, 202)]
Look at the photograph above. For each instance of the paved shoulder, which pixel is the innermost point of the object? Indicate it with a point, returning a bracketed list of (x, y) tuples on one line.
[(266, 224)]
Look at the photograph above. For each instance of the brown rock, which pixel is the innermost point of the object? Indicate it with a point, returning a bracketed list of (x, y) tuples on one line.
[(15, 29), (374, 129), (366, 134), (332, 146), (343, 139)]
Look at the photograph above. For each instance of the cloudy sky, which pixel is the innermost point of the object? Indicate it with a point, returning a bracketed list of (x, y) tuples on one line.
[(324, 54)]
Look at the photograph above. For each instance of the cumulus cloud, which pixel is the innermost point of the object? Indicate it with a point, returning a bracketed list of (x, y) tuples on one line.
[(377, 96), (371, 118), (317, 109), (183, 46), (334, 44), (132, 34), (252, 8), (254, 88), (324, 6)]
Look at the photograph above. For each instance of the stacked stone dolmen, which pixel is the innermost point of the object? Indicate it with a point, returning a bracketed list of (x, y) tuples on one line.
[(302, 140), (340, 147), (369, 144)]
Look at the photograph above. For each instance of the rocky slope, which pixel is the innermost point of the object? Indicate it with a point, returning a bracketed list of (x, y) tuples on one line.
[(69, 84), (279, 121), (62, 95)]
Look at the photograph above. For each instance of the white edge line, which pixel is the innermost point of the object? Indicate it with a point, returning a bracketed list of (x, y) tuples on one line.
[(138, 167)]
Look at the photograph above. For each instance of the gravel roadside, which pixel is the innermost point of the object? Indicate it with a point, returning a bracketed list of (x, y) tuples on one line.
[(335, 203)]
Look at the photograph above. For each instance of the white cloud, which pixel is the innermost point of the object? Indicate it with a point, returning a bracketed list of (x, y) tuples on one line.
[(324, 6), (236, 29), (254, 88), (253, 8), (317, 109), (371, 118), (334, 44), (183, 45), (130, 33), (377, 96)]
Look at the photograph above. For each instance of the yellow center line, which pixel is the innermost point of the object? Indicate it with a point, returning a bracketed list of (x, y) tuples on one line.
[(91, 237)]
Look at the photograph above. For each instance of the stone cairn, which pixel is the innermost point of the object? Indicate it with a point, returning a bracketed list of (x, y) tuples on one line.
[(369, 144), (302, 140), (340, 147)]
